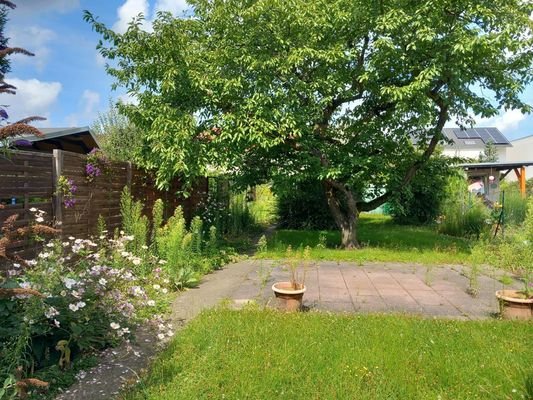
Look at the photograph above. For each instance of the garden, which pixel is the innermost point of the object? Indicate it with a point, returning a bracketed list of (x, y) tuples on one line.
[(283, 221)]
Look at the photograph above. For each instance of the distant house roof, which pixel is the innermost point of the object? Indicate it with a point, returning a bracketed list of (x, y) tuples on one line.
[(77, 140), (522, 138), (474, 138), (500, 166)]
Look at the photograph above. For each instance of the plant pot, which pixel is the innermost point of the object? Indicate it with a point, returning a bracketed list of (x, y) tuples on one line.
[(288, 298), (514, 307)]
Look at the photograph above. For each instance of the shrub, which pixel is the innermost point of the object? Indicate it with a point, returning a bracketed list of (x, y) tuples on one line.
[(75, 297), (421, 201), (303, 205), (463, 214), (134, 223)]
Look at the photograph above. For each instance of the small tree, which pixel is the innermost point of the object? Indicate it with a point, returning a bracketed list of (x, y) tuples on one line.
[(119, 139), (490, 153), (330, 90)]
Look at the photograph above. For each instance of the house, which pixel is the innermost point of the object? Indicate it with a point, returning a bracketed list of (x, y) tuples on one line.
[(470, 143), (76, 140), (521, 150)]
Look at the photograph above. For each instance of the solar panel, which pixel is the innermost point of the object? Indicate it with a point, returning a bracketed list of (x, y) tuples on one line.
[(460, 134), (472, 134), (497, 136), (484, 135)]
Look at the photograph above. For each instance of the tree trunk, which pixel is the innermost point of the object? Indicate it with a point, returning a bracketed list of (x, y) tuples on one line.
[(345, 217)]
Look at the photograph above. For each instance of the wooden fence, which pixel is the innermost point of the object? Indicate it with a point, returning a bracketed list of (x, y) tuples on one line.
[(29, 180)]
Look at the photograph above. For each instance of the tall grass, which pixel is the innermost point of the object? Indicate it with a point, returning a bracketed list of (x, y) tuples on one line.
[(463, 214), (515, 207)]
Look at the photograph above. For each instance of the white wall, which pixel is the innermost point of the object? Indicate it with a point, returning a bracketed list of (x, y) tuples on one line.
[(471, 153), (522, 150)]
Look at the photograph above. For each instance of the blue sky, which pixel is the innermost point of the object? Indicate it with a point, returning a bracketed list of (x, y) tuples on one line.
[(66, 81)]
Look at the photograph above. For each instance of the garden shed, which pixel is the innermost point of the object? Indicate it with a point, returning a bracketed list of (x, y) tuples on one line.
[(75, 140), (485, 177)]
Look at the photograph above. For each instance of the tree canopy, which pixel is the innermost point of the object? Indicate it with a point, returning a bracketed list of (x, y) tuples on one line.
[(334, 90)]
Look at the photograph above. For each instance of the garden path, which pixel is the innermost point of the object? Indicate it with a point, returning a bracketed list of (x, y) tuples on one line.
[(337, 287)]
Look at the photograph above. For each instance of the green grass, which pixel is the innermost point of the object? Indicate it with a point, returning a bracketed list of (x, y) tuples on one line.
[(255, 354), (383, 241)]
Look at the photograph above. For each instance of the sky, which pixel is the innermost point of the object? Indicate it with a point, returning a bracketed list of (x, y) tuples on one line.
[(66, 81)]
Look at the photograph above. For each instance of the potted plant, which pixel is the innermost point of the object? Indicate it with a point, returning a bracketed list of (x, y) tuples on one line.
[(517, 252), (289, 294)]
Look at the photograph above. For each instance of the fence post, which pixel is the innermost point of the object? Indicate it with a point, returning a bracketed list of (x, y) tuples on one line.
[(128, 175), (57, 170)]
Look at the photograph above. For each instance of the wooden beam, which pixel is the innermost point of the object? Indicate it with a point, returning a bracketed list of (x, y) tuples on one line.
[(505, 174), (517, 173), (522, 180)]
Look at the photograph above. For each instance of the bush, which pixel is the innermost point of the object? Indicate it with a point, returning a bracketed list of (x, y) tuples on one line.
[(462, 213), (76, 296), (421, 201), (303, 205)]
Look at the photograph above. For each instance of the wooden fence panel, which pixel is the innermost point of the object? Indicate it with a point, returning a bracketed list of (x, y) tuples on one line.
[(29, 179)]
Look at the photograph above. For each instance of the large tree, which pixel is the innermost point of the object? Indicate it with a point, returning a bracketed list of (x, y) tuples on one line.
[(334, 90)]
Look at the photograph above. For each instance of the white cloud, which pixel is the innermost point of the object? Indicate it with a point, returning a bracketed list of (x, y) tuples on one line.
[(100, 60), (176, 7), (128, 99), (40, 6), (33, 97), (90, 101), (127, 11), (88, 108), (34, 39), (507, 120)]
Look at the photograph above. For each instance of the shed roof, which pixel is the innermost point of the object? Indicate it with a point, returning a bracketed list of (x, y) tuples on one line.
[(499, 166), (78, 140)]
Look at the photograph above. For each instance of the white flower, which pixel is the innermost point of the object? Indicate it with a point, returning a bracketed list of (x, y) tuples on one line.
[(44, 255), (73, 307), (81, 304), (122, 232), (156, 287), (161, 336), (125, 330), (69, 283), (102, 281), (63, 293), (170, 333), (151, 303), (50, 244), (144, 247), (56, 323), (165, 290), (166, 280), (162, 262), (39, 219), (78, 241), (71, 238), (16, 265), (51, 312), (114, 325), (65, 244), (129, 238), (136, 261), (101, 237), (125, 254), (33, 209)]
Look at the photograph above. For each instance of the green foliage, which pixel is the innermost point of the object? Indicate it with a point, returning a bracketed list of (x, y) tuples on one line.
[(421, 201), (490, 153), (364, 357), (263, 207), (306, 91), (119, 139), (186, 256), (91, 299), (134, 223), (303, 205), (157, 222), (514, 251), (462, 213)]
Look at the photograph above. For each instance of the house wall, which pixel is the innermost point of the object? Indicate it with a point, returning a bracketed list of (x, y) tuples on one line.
[(474, 153), (522, 150)]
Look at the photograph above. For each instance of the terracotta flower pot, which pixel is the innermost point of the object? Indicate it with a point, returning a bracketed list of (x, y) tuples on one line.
[(514, 306), (288, 298)]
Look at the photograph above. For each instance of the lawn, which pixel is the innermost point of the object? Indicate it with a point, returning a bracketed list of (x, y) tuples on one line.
[(256, 354), (382, 240)]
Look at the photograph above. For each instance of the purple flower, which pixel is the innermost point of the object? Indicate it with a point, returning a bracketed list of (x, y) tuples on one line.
[(69, 203)]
